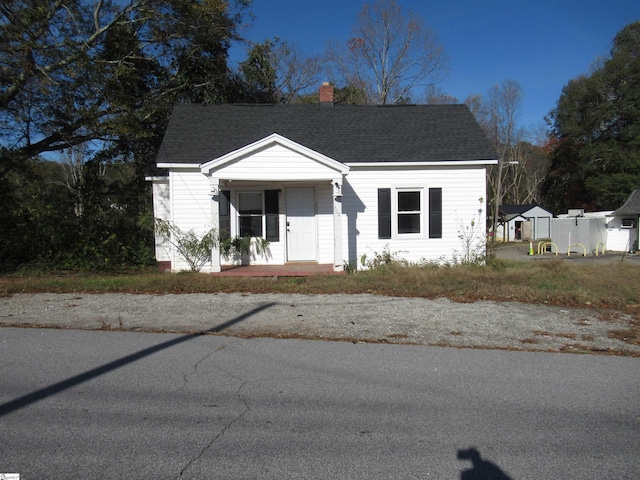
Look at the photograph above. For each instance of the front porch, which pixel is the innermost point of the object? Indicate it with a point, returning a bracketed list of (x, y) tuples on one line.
[(287, 270)]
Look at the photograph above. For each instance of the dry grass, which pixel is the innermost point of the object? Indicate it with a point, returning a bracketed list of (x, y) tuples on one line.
[(551, 282)]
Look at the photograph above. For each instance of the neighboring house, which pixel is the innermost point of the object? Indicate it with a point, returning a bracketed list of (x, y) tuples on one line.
[(324, 183), (622, 225), (523, 222)]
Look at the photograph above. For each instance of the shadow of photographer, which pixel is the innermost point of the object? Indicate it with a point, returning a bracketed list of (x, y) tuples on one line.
[(480, 469)]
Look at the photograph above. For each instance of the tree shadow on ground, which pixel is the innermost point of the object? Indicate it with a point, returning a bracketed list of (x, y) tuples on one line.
[(480, 469), (46, 392)]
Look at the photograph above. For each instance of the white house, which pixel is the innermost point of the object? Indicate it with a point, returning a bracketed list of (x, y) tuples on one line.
[(622, 225), (323, 183)]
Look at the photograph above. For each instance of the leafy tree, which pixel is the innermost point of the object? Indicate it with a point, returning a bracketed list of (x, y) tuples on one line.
[(259, 73), (61, 64), (101, 76), (389, 54), (596, 127), (276, 72)]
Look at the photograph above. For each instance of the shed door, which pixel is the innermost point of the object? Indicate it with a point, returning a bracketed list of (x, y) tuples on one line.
[(544, 227), (301, 224)]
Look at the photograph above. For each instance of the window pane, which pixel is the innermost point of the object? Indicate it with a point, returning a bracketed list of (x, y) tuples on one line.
[(409, 223), (408, 201), (250, 203), (250, 226), (273, 228)]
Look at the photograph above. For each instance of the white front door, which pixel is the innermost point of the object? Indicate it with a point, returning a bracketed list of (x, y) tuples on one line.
[(301, 224)]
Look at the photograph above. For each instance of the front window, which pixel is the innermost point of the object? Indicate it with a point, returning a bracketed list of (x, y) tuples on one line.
[(409, 211), (250, 214), (258, 214)]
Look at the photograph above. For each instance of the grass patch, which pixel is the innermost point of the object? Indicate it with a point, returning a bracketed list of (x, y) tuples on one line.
[(552, 282)]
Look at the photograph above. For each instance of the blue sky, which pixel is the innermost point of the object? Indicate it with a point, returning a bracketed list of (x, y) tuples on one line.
[(542, 44)]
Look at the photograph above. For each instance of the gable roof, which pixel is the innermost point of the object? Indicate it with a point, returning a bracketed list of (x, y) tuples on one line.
[(197, 134), (331, 167), (631, 206), (520, 209)]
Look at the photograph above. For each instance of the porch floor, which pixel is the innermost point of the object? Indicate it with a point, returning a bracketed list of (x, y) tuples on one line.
[(288, 270)]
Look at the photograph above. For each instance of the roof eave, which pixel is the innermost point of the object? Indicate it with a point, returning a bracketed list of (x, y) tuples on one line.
[(437, 163)]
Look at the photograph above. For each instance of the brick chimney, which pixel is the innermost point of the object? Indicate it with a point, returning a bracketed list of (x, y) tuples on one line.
[(326, 94)]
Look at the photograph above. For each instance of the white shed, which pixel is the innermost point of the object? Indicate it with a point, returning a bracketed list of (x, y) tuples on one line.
[(524, 222)]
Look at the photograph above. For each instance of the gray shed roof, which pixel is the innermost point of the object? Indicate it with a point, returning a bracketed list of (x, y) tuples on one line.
[(516, 209), (349, 134), (631, 206)]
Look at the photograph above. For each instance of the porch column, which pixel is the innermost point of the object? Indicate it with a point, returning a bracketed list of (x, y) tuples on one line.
[(338, 262), (214, 183)]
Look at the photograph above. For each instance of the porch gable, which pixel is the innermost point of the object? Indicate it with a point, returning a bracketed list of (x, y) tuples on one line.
[(274, 158)]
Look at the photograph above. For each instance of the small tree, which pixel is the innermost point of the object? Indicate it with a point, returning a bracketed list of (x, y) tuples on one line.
[(195, 249), (472, 239)]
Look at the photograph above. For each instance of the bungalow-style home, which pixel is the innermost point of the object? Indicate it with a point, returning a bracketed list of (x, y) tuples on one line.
[(622, 225), (324, 183), (523, 222)]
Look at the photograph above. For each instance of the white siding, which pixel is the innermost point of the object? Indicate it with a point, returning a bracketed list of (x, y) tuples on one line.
[(275, 163), (621, 239), (162, 210), (462, 188), (540, 220), (463, 200), (190, 207), (324, 205)]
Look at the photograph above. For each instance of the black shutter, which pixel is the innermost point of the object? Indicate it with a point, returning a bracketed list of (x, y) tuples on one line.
[(435, 213), (224, 210), (271, 211), (384, 213)]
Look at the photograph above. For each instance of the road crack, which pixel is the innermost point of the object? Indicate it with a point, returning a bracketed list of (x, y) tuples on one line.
[(224, 429)]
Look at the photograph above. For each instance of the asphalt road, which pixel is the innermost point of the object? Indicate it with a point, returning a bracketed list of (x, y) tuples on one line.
[(96, 404)]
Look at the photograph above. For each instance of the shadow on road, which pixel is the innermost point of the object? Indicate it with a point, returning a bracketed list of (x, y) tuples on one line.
[(45, 392), (480, 469)]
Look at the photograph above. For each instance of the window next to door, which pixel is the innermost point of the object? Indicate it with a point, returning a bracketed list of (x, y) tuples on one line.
[(258, 215), (405, 216)]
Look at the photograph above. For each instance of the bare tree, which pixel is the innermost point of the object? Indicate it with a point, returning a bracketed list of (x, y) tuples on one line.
[(296, 72), (498, 113), (522, 165), (436, 96), (389, 53)]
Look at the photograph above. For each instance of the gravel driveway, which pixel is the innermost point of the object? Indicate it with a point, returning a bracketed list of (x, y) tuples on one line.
[(356, 318)]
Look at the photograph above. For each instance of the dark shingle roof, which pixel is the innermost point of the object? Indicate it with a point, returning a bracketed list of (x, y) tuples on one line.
[(516, 209), (631, 206), (412, 133)]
